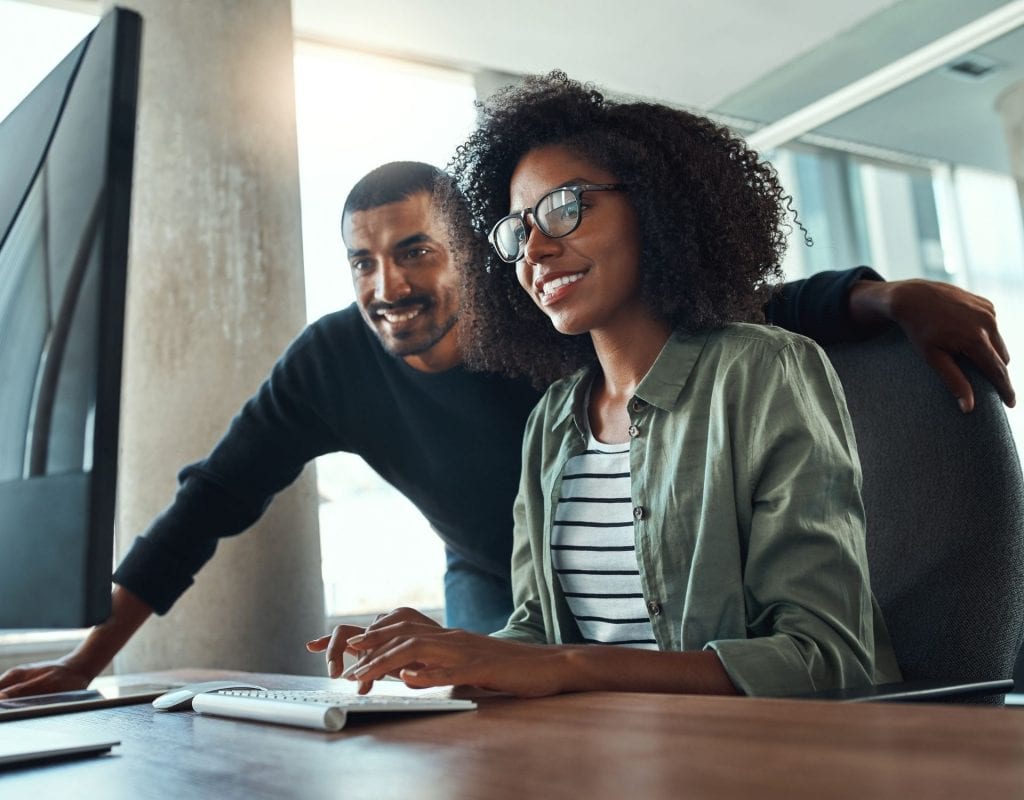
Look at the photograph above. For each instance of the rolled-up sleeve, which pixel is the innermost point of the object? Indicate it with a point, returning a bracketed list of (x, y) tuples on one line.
[(808, 601)]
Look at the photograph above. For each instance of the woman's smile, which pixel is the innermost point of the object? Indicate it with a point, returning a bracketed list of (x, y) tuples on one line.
[(554, 287)]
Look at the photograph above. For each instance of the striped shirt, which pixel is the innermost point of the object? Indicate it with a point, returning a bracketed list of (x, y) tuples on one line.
[(593, 550)]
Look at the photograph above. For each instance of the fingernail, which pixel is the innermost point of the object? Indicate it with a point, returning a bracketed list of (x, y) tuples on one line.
[(963, 404), (357, 638), (412, 673), (361, 671), (348, 672), (332, 668)]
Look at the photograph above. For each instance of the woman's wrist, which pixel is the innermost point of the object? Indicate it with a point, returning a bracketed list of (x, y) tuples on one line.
[(593, 668)]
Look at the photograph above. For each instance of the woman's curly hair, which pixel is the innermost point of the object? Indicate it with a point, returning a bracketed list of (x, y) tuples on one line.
[(711, 218)]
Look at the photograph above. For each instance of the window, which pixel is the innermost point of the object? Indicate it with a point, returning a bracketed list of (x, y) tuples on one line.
[(356, 112), (943, 222), (861, 211), (33, 40)]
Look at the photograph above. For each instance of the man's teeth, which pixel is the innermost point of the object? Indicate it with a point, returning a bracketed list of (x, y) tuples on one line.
[(558, 283), (399, 316)]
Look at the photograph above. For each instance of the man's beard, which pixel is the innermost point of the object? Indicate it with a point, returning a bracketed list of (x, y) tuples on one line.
[(400, 349), (410, 343)]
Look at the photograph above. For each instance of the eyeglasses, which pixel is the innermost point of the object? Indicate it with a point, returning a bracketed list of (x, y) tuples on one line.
[(557, 214)]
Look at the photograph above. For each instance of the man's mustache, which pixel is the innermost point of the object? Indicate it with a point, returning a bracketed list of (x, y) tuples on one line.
[(422, 300)]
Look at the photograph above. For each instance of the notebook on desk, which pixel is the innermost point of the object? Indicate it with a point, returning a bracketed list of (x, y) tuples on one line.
[(21, 746), (39, 705)]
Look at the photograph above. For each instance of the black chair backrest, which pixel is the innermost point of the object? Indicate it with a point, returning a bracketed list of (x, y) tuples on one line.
[(945, 513)]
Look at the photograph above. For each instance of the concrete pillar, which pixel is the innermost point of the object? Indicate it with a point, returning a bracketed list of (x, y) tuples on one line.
[(1010, 106), (215, 293)]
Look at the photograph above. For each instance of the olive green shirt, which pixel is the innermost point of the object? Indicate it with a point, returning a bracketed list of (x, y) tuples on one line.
[(749, 525)]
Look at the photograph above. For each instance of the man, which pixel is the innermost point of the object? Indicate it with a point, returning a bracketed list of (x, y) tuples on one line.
[(384, 379)]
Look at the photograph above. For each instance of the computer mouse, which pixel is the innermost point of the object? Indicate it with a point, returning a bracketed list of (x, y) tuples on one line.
[(181, 699)]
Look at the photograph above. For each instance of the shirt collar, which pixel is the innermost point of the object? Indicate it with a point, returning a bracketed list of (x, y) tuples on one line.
[(664, 381), (660, 387)]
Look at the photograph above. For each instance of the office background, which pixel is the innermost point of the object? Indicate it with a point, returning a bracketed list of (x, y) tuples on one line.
[(921, 181)]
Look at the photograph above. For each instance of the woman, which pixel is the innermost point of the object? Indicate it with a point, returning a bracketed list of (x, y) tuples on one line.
[(689, 516)]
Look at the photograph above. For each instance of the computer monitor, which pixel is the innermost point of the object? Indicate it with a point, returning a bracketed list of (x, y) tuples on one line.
[(65, 180)]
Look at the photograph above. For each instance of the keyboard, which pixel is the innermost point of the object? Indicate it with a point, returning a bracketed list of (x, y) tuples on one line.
[(320, 710)]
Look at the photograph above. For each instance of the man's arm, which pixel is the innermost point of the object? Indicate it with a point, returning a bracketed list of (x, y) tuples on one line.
[(78, 668), (941, 320), (265, 448)]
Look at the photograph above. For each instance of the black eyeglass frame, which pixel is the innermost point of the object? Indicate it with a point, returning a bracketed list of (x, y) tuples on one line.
[(577, 190)]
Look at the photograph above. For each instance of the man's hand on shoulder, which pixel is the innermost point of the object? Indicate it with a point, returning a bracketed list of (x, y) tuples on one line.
[(942, 321), (42, 677)]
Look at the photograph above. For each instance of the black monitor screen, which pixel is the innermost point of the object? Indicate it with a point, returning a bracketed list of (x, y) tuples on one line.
[(65, 179)]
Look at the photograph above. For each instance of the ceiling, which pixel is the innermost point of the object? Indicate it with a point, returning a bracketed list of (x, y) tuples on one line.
[(751, 59), (691, 52), (939, 115)]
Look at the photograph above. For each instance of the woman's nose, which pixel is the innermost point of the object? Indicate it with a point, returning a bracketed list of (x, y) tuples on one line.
[(539, 245)]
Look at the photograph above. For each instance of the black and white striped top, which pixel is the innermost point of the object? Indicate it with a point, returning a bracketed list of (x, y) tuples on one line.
[(593, 551)]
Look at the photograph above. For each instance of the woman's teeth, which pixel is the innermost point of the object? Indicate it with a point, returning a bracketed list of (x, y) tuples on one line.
[(558, 283)]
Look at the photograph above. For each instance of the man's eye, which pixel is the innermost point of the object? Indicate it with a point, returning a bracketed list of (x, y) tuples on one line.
[(415, 252), (361, 265)]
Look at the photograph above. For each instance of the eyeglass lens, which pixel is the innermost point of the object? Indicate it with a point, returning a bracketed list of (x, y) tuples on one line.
[(509, 236), (557, 214)]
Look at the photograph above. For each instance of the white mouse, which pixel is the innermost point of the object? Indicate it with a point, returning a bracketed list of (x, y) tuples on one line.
[(181, 699)]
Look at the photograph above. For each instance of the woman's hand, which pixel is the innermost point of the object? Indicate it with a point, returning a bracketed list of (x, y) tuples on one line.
[(335, 644), (425, 655)]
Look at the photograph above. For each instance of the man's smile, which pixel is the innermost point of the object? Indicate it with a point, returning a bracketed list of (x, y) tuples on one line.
[(395, 317), (402, 312)]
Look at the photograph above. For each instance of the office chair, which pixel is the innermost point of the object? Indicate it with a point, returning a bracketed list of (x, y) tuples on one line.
[(944, 499)]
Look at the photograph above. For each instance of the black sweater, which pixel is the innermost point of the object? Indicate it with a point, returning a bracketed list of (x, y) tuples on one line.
[(448, 441)]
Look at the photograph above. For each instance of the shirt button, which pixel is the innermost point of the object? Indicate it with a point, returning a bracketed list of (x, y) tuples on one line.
[(654, 607), (634, 431), (639, 512), (638, 404)]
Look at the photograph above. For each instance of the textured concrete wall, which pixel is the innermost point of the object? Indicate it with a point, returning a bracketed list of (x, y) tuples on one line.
[(215, 294)]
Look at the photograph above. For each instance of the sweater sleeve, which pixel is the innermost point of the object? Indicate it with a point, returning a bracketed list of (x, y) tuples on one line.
[(264, 449), (818, 307)]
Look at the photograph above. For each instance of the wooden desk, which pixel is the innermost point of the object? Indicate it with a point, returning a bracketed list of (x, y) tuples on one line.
[(602, 745)]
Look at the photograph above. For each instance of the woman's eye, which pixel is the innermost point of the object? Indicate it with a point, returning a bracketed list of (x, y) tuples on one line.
[(569, 211)]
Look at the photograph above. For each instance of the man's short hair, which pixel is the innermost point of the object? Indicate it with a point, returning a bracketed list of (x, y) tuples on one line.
[(390, 183)]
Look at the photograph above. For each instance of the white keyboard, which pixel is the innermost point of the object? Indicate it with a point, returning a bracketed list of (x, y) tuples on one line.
[(325, 711)]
